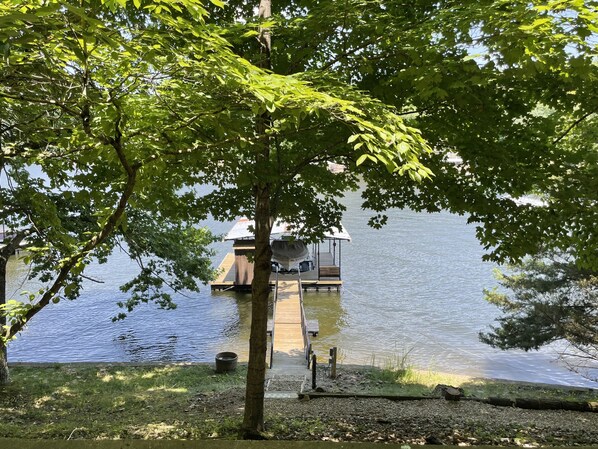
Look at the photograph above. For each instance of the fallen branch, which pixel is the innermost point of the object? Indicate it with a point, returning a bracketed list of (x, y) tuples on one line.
[(541, 404), (524, 403)]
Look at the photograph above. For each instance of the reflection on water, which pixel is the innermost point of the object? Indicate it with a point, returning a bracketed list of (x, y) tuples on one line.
[(326, 307), (413, 287), (139, 350)]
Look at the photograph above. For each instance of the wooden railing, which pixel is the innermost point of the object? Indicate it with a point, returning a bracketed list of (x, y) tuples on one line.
[(273, 318), (304, 330)]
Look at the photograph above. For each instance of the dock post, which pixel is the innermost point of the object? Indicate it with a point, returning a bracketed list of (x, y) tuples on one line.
[(332, 363), (313, 371)]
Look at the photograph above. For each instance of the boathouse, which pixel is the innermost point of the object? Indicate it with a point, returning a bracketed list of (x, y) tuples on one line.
[(317, 265)]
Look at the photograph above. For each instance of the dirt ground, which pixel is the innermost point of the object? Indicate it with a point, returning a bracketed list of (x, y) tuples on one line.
[(429, 421)]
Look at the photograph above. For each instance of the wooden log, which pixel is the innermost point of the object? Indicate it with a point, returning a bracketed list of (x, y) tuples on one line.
[(544, 404), (536, 404), (316, 395), (499, 402)]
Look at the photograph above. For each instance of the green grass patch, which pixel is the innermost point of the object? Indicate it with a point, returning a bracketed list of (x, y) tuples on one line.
[(80, 401), (402, 379)]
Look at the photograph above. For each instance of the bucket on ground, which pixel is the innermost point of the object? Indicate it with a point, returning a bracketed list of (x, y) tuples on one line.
[(226, 361)]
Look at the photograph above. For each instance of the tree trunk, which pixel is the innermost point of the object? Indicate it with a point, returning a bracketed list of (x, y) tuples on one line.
[(4, 374), (5, 254), (253, 421)]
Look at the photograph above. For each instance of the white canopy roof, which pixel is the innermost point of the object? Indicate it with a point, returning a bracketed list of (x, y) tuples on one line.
[(280, 229)]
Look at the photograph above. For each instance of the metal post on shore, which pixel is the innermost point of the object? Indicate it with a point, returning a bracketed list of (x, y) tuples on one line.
[(313, 371)]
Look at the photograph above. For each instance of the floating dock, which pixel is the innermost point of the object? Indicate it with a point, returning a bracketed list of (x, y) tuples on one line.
[(322, 277), (294, 269), (319, 270)]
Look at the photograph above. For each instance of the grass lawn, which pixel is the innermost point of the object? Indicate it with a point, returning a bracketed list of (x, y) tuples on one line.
[(408, 381), (104, 401)]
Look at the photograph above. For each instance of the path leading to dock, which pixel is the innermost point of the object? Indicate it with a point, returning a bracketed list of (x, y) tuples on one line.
[(289, 340)]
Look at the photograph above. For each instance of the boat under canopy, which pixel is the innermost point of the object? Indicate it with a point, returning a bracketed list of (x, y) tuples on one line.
[(318, 265), (290, 255)]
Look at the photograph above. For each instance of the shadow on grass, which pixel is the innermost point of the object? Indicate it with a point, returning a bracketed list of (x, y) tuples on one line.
[(110, 401)]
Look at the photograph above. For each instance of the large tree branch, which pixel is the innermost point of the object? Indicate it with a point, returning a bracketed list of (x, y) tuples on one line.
[(131, 170), (573, 125), (6, 251), (70, 263), (34, 100), (13, 243)]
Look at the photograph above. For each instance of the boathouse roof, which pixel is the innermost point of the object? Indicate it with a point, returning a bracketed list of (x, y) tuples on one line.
[(241, 230)]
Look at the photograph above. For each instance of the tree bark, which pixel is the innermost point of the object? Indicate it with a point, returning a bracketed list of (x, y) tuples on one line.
[(4, 373), (5, 254), (253, 421)]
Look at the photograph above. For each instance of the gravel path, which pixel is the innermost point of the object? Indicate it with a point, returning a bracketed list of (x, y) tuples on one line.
[(429, 421), (433, 421)]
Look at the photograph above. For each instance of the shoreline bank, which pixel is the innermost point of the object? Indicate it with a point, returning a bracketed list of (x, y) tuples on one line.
[(352, 367)]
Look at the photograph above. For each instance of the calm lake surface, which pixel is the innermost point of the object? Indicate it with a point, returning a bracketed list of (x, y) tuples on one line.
[(413, 288)]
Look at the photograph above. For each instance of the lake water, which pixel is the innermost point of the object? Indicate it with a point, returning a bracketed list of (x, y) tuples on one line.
[(413, 288)]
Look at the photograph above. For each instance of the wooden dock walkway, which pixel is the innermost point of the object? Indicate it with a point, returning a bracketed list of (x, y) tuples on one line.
[(289, 333), (290, 343), (223, 270)]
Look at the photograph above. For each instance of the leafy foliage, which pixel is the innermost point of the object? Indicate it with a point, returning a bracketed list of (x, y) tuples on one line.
[(126, 106), (122, 111), (504, 85), (548, 299), (79, 87), (174, 256)]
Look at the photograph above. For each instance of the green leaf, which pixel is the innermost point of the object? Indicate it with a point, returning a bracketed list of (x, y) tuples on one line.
[(69, 288), (361, 159), (535, 24)]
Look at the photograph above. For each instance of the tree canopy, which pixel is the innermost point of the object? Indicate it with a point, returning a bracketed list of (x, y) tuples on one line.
[(502, 84), (125, 110)]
